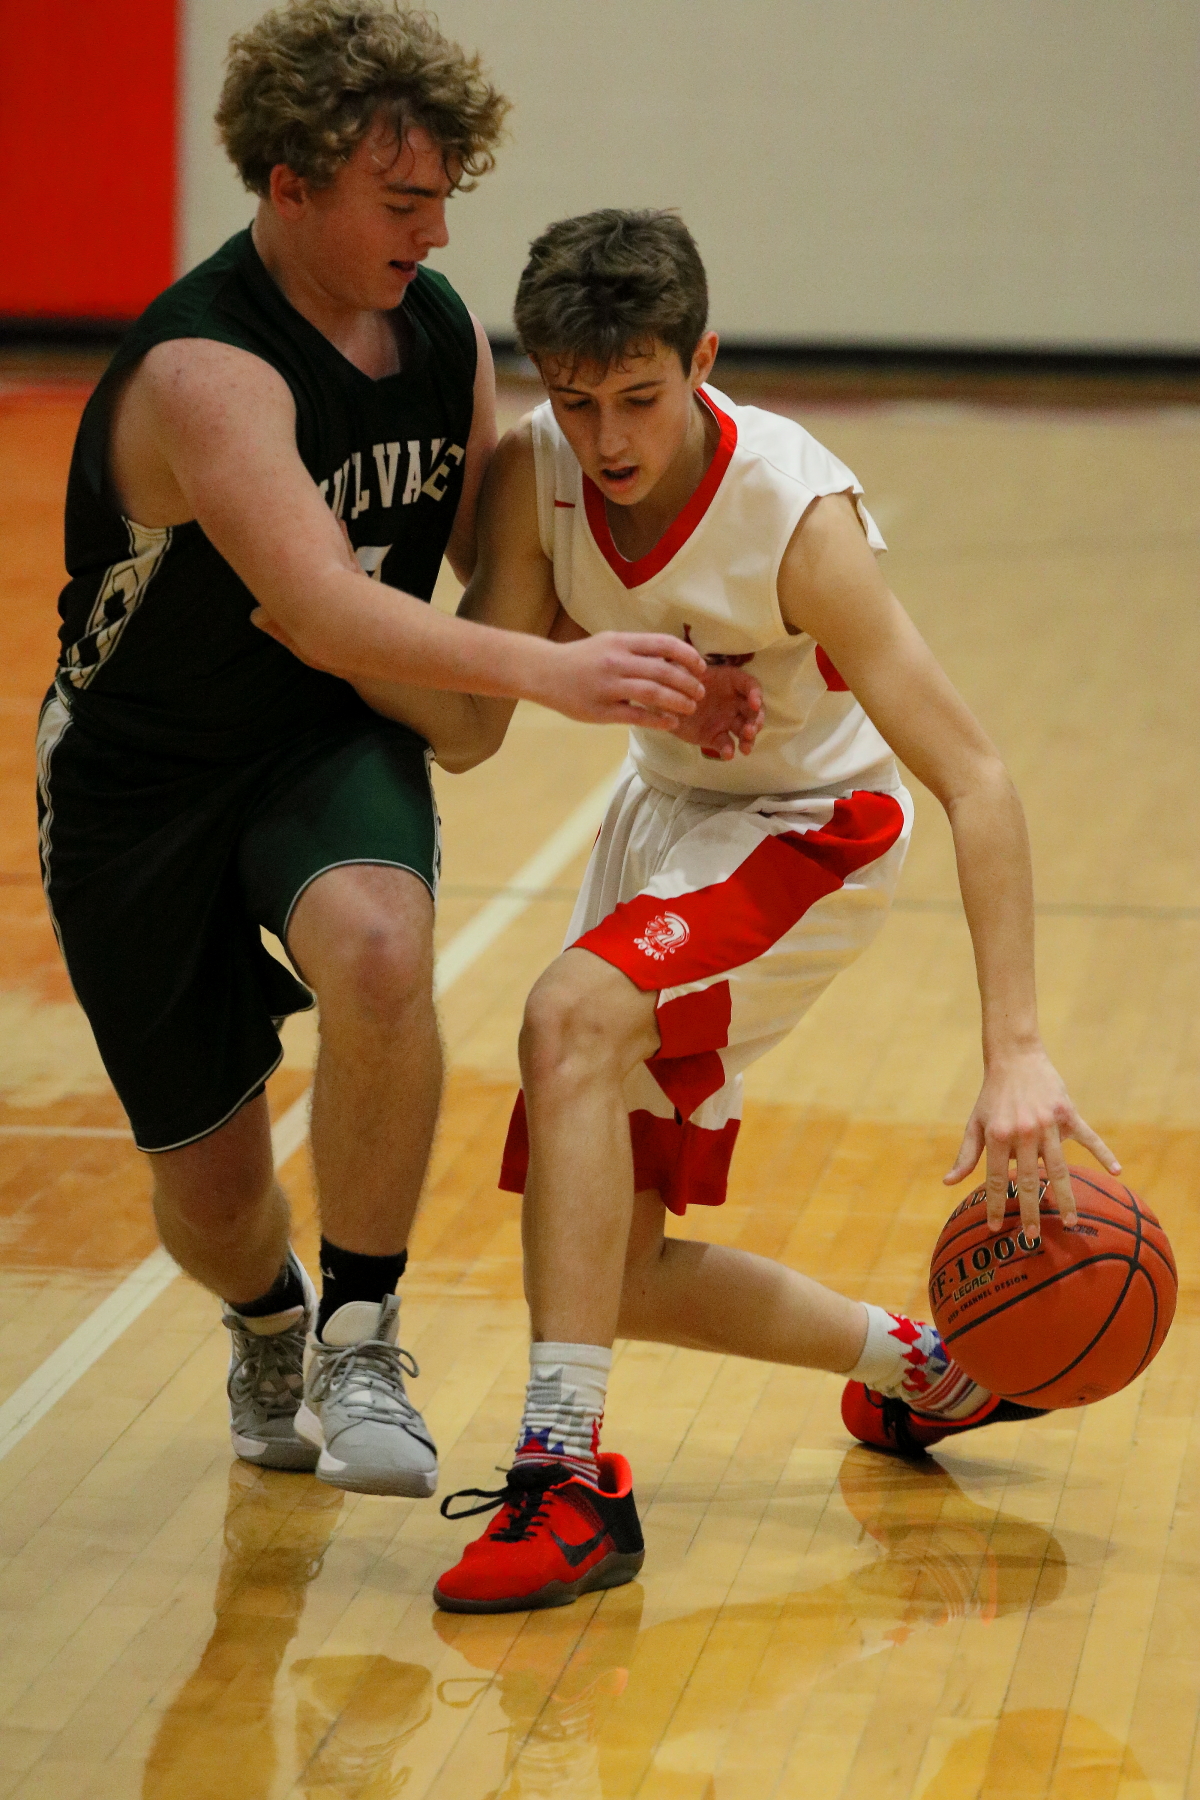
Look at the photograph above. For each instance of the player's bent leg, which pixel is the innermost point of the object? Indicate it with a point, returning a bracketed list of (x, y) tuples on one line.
[(905, 1393), (224, 1218), (713, 1297), (363, 937)]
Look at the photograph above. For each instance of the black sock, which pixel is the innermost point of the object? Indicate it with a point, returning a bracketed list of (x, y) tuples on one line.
[(286, 1291), (346, 1276)]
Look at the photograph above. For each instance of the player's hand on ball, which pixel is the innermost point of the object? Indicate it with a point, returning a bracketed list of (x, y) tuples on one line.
[(729, 717), (1023, 1115)]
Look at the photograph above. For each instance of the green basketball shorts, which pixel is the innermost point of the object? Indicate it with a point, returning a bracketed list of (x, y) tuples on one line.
[(159, 872)]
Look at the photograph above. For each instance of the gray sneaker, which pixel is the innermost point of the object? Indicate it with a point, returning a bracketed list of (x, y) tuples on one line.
[(371, 1437), (266, 1380)]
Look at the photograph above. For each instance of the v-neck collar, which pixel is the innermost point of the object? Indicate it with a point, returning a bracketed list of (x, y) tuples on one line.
[(644, 568)]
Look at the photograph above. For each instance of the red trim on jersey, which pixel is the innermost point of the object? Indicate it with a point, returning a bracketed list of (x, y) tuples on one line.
[(829, 674), (633, 574), (691, 937), (688, 1165)]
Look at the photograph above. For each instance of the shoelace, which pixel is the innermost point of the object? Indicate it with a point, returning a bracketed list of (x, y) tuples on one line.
[(368, 1380), (524, 1490), (270, 1370)]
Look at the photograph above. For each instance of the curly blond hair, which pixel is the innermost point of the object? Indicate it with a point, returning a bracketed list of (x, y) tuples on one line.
[(305, 84)]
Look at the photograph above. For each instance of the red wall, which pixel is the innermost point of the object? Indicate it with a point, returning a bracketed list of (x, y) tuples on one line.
[(87, 155)]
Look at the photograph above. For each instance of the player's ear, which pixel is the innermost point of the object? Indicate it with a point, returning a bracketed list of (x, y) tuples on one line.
[(289, 191), (703, 358)]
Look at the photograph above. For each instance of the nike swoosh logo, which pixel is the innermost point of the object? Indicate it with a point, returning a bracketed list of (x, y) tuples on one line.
[(577, 1553)]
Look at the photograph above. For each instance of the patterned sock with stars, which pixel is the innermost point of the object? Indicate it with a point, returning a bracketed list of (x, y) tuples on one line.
[(564, 1406), (906, 1360)]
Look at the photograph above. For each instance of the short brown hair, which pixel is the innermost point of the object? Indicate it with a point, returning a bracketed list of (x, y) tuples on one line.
[(607, 284), (305, 84)]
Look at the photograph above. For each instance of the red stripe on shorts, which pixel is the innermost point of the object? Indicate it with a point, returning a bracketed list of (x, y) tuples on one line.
[(688, 1165), (691, 937), (691, 1029)]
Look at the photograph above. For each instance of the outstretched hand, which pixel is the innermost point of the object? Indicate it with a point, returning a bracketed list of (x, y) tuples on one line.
[(729, 717), (1023, 1115)]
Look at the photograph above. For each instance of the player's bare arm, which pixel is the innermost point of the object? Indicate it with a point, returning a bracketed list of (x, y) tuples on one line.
[(481, 445), (207, 432), (512, 587), (831, 587)]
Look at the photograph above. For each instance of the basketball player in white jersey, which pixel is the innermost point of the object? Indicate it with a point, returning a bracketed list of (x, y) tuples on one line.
[(724, 892)]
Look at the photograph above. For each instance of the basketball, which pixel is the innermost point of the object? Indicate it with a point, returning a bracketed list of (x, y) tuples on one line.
[(1063, 1322)]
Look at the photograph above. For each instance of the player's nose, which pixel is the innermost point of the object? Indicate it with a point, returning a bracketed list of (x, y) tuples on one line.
[(434, 232), (610, 441)]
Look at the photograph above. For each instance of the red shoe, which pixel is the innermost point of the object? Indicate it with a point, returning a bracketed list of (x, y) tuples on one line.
[(556, 1537), (888, 1424)]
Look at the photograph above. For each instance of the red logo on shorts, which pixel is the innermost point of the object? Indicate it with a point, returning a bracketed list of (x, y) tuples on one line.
[(665, 932)]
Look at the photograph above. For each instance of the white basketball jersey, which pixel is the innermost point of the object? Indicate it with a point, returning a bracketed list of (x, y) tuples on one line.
[(711, 579)]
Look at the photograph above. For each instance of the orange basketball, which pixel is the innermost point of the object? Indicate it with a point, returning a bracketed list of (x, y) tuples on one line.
[(1068, 1321)]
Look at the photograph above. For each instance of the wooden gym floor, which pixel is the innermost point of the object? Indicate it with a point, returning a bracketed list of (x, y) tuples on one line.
[(1016, 1619)]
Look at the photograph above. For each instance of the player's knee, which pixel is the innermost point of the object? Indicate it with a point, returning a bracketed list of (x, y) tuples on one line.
[(375, 972), (565, 1035)]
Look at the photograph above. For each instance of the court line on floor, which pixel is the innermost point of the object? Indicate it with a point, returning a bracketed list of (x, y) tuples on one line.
[(66, 1131), (88, 1342)]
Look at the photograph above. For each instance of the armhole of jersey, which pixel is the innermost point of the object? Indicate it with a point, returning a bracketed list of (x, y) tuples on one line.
[(875, 537), (544, 470), (803, 501)]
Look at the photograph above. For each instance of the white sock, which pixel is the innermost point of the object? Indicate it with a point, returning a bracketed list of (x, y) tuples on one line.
[(906, 1360), (564, 1406)]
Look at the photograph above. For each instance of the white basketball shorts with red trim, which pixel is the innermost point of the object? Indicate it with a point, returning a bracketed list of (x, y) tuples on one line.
[(740, 912)]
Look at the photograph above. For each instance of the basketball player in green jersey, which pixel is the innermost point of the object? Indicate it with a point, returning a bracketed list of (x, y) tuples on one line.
[(303, 422)]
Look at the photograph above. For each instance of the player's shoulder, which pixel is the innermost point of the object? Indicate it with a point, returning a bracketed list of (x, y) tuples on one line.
[(513, 466), (516, 445), (781, 449), (209, 374), (205, 396), (193, 346)]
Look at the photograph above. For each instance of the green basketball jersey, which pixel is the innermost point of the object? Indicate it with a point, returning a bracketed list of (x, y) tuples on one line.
[(156, 642)]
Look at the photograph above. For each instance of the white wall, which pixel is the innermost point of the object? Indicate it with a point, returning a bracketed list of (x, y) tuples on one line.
[(987, 172)]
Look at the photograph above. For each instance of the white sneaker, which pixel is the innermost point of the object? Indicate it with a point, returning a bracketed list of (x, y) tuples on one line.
[(266, 1379), (371, 1437)]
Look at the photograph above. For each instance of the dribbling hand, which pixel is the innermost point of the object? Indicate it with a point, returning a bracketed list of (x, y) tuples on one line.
[(1022, 1116)]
